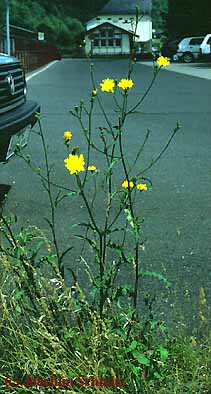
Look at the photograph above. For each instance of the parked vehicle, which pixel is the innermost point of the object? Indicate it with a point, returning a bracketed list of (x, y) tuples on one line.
[(205, 47), (17, 114), (169, 48), (189, 49), (145, 54)]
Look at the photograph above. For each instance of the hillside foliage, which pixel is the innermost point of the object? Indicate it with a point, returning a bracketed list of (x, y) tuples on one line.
[(63, 21), (159, 14), (189, 18)]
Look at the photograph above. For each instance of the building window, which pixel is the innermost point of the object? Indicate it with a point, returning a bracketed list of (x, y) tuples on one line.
[(98, 19), (110, 32), (110, 43), (118, 42), (103, 42), (96, 42), (107, 37), (103, 33)]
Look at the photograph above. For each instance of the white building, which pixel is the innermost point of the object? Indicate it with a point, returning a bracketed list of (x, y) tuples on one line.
[(111, 31)]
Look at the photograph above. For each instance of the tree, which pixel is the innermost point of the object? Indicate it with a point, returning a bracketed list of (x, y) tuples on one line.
[(60, 20), (159, 14), (189, 17)]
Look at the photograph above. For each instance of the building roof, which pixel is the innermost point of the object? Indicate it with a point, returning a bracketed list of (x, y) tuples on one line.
[(18, 31), (123, 7), (111, 24)]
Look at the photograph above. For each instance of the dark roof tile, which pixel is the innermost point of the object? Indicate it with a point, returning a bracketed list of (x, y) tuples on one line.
[(126, 7)]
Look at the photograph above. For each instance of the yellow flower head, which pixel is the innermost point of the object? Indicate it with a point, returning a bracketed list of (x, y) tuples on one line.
[(163, 61), (141, 186), (125, 184), (125, 84), (74, 163), (94, 92), (107, 85), (67, 135), (91, 168)]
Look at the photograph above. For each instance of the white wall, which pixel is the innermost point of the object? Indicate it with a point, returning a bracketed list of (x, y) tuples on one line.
[(88, 44), (144, 28), (124, 49), (125, 44)]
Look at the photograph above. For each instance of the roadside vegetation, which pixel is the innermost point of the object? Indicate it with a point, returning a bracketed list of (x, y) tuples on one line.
[(91, 336)]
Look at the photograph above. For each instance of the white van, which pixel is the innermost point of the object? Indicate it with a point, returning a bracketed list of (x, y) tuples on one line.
[(205, 47)]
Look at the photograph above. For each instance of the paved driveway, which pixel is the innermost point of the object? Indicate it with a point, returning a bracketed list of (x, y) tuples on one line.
[(200, 70), (177, 209)]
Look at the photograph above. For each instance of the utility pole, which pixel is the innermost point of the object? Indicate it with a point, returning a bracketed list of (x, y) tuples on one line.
[(8, 26)]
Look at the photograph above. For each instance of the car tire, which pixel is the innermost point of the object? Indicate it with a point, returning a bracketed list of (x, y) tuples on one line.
[(188, 57)]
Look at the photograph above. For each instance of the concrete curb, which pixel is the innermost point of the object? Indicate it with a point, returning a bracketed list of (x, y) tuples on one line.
[(32, 74)]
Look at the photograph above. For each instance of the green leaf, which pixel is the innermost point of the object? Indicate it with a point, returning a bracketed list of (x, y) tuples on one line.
[(142, 359), (163, 353), (155, 275), (157, 375), (110, 168), (19, 294), (133, 345), (129, 217), (73, 193), (18, 309), (136, 370), (71, 333)]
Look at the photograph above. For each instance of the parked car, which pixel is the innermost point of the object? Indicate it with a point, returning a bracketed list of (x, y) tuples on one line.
[(189, 49), (169, 48), (205, 47), (185, 49), (17, 114), (146, 54)]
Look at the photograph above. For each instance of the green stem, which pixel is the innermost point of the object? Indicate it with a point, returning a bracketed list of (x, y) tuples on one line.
[(80, 185), (53, 223), (145, 94)]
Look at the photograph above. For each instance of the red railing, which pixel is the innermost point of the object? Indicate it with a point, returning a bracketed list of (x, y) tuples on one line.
[(35, 54)]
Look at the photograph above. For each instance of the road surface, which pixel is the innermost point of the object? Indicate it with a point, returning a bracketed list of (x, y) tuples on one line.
[(177, 209)]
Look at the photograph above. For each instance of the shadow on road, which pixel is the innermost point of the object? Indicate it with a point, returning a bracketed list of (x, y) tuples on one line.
[(201, 65)]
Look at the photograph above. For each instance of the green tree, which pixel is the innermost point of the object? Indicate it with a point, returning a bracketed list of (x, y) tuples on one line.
[(189, 17), (26, 13), (159, 14), (61, 20)]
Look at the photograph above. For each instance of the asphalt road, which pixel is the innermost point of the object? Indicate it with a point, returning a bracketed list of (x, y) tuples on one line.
[(177, 209)]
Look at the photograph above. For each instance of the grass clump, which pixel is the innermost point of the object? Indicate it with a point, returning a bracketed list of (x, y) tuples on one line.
[(64, 338)]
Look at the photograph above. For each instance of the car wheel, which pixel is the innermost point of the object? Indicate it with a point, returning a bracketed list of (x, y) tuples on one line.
[(188, 57)]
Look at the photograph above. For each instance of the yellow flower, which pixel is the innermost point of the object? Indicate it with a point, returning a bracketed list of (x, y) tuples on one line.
[(163, 61), (74, 163), (91, 168), (67, 135), (125, 84), (94, 92), (107, 85), (141, 186), (125, 184)]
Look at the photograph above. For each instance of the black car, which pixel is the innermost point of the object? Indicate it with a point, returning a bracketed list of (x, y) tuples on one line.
[(17, 114), (169, 48)]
